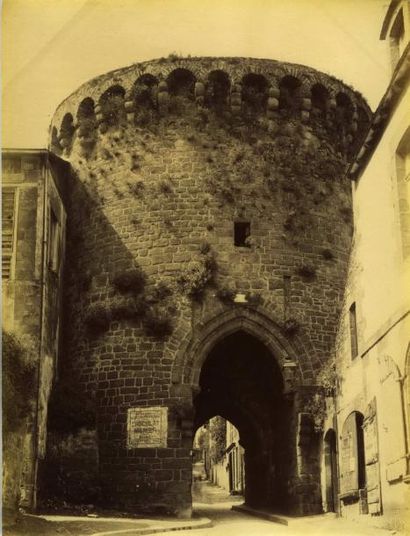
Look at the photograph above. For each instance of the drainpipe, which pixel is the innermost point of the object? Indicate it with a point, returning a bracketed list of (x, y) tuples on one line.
[(42, 320), (336, 428)]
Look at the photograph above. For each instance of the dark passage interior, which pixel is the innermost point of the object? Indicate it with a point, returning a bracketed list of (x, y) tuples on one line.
[(241, 381)]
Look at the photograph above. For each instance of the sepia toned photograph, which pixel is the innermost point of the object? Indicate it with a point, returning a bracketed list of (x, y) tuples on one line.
[(205, 267)]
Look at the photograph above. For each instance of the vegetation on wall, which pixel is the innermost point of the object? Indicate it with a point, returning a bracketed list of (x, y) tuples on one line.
[(158, 322), (198, 276), (130, 281), (18, 381), (246, 158), (326, 378), (217, 431), (289, 158), (307, 272), (137, 302), (297, 162), (291, 326), (316, 405), (226, 295)]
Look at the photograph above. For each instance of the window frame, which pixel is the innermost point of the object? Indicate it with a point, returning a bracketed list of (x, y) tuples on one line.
[(354, 340), (245, 227), (12, 258), (53, 249)]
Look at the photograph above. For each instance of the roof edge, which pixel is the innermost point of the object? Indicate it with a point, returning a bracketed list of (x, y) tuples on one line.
[(389, 14), (382, 116)]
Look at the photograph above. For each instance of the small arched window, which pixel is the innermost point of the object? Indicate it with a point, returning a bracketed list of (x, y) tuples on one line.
[(217, 89), (67, 131), (144, 91), (344, 108), (55, 143), (255, 93), (319, 96), (112, 105), (86, 117), (181, 82), (289, 94), (86, 108)]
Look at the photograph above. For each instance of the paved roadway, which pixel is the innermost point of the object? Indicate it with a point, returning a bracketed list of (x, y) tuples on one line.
[(212, 502)]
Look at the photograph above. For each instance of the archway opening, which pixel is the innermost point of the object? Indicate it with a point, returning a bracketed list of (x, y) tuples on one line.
[(218, 458), (241, 382)]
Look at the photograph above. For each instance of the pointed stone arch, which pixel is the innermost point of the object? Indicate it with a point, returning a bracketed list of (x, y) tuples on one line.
[(192, 354)]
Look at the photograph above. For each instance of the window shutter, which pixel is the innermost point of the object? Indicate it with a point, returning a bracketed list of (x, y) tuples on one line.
[(372, 459), (349, 462), (8, 217)]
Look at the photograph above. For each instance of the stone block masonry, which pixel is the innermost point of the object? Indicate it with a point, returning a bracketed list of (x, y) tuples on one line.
[(201, 190)]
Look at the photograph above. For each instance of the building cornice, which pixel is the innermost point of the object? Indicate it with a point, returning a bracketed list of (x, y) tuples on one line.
[(382, 116), (11, 150)]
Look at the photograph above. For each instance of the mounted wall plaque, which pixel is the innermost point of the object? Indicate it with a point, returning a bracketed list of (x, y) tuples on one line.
[(147, 427)]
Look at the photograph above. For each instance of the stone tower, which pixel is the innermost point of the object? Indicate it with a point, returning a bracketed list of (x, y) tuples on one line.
[(209, 230)]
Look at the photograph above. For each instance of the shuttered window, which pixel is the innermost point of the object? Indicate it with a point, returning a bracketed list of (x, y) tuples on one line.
[(352, 467), (8, 219)]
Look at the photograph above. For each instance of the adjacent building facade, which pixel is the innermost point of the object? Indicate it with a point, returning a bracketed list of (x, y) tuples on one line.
[(33, 251), (366, 442)]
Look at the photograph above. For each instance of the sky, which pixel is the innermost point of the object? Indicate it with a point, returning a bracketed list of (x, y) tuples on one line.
[(51, 47)]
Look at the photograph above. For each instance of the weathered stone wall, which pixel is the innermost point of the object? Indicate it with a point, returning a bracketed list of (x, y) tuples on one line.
[(155, 193)]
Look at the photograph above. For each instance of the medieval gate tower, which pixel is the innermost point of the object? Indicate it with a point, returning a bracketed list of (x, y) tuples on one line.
[(209, 228)]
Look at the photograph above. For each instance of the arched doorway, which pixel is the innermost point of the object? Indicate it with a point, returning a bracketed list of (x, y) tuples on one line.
[(241, 381), (353, 466), (330, 454)]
